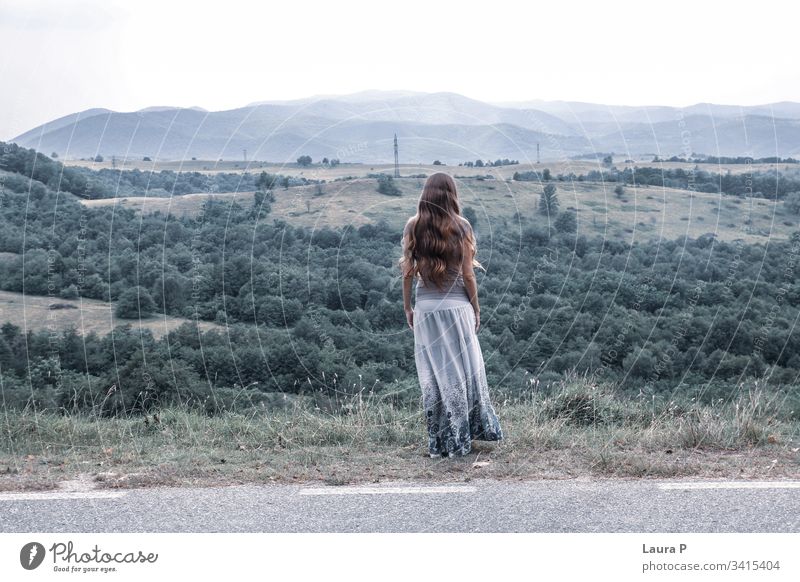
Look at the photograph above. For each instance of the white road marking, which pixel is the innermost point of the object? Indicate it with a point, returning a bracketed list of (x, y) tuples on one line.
[(733, 485), (357, 490), (61, 495)]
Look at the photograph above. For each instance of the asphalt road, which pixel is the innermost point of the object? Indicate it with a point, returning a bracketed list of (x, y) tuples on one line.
[(474, 506)]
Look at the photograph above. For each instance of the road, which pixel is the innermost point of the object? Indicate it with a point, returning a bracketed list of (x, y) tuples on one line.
[(479, 505)]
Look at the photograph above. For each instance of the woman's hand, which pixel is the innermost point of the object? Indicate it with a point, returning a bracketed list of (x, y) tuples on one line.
[(477, 320), (410, 317)]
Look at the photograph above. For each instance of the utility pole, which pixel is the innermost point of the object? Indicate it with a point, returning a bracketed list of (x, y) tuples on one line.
[(244, 151), (113, 161), (396, 159), (537, 152)]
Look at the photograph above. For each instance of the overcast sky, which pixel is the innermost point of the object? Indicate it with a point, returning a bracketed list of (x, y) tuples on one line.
[(63, 56)]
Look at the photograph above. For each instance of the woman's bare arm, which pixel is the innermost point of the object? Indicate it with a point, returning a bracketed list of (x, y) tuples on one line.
[(470, 283), (407, 281)]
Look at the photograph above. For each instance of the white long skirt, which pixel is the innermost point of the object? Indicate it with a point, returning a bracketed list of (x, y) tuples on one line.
[(455, 392)]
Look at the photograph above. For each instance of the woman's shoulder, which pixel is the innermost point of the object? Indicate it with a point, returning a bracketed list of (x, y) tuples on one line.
[(409, 224), (465, 224)]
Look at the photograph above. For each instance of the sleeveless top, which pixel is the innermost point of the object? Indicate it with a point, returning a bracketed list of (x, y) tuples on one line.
[(452, 287)]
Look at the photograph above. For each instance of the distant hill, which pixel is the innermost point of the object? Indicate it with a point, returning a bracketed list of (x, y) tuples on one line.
[(32, 136), (572, 111), (446, 126), (169, 107)]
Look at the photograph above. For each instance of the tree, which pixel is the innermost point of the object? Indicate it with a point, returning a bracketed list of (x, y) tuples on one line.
[(98, 158), (262, 203), (567, 222), (546, 175), (169, 293), (266, 181), (478, 163), (334, 162), (619, 190), (304, 161), (147, 159), (387, 186), (325, 161), (54, 155), (437, 163), (534, 235), (792, 202), (135, 302), (70, 292), (608, 161), (469, 213), (548, 201)]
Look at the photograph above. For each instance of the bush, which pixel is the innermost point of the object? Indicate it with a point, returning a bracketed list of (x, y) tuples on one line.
[(534, 236), (567, 222), (387, 186), (584, 404), (526, 177), (792, 202), (135, 303), (70, 292)]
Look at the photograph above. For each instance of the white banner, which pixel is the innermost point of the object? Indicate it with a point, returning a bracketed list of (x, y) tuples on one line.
[(355, 556)]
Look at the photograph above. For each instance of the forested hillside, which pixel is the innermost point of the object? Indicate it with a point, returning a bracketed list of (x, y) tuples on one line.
[(321, 309)]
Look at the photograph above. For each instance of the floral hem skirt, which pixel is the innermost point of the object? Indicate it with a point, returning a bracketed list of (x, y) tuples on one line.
[(450, 367)]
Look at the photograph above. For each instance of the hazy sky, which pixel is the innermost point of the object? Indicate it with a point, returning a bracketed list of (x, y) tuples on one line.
[(63, 56)]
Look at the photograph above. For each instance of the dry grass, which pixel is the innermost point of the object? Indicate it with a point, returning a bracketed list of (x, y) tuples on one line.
[(581, 430), (32, 312), (642, 214), (360, 170)]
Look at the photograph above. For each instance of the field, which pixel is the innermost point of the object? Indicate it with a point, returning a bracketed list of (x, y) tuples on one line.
[(641, 214), (358, 170), (580, 430), (31, 312)]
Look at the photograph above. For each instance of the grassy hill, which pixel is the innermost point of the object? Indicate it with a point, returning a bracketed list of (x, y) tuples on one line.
[(31, 312), (642, 214), (360, 170)]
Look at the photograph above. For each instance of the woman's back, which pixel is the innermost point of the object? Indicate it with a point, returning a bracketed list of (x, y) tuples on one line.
[(445, 321), (453, 286)]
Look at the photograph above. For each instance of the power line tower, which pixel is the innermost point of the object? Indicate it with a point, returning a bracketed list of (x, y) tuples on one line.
[(396, 159)]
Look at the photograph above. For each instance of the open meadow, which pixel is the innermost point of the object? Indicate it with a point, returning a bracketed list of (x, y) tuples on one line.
[(360, 170), (641, 214), (34, 312)]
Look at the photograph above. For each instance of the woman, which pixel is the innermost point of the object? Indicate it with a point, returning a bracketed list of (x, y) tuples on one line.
[(439, 252)]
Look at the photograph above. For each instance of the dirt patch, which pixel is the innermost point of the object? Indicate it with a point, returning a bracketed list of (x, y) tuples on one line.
[(334, 466)]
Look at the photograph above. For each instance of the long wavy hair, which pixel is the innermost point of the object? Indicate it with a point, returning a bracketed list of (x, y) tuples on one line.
[(434, 245)]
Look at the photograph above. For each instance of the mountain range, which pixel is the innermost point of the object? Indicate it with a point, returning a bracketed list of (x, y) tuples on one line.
[(446, 126)]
